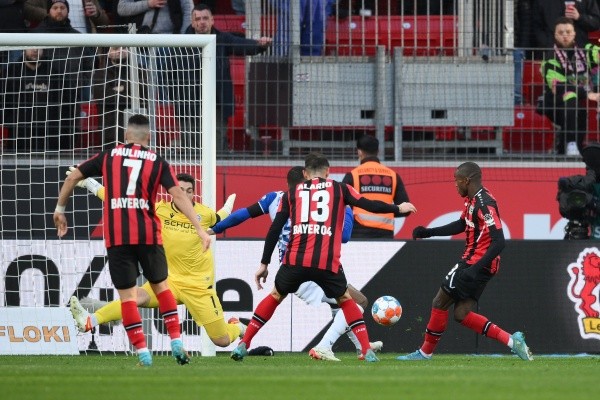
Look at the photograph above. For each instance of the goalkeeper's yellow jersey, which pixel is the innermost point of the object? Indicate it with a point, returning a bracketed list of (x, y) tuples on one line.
[(189, 266)]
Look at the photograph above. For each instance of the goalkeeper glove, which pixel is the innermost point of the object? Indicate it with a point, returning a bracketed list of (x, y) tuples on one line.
[(227, 207), (90, 184), (420, 232)]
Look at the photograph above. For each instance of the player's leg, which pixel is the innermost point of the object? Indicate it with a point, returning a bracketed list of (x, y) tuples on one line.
[(463, 312), (110, 312), (206, 310), (438, 320), (287, 280), (123, 267), (335, 285), (154, 266)]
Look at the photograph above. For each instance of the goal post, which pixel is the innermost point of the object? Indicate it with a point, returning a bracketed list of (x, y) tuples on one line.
[(63, 104)]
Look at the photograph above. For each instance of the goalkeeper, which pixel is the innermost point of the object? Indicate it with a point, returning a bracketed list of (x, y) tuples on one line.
[(191, 270)]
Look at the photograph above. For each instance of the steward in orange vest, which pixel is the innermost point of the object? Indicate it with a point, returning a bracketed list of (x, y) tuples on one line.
[(374, 181)]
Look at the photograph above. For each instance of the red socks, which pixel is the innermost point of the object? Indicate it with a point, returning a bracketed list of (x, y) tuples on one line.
[(168, 309), (354, 319), (483, 326), (263, 313), (132, 322), (435, 328)]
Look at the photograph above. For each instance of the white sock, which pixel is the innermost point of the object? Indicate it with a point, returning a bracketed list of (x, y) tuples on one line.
[(337, 329), (510, 342), (93, 320)]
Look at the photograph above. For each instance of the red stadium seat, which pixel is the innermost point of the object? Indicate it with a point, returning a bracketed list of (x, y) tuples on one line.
[(238, 78), (533, 82), (531, 133), (167, 126), (89, 126)]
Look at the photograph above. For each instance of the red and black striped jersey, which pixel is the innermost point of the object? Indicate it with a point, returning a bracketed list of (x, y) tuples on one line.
[(316, 209), (131, 175), (481, 216)]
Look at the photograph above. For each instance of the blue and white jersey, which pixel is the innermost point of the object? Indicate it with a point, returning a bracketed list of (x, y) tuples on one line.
[(269, 203)]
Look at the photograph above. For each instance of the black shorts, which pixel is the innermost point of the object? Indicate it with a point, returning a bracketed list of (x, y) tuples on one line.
[(289, 279), (460, 284), (123, 264)]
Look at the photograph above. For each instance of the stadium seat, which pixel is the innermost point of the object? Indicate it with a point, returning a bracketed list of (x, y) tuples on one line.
[(354, 36), (230, 23), (533, 82), (238, 78), (167, 126), (89, 126), (420, 35), (237, 138), (531, 132)]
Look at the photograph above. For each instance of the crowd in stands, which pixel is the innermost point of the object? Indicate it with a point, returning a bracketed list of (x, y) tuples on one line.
[(73, 69)]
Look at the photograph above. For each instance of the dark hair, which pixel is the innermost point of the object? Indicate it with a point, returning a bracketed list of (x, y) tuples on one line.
[(469, 170), (186, 178), (201, 7), (368, 143), (315, 162), (295, 176), (138, 119), (564, 20)]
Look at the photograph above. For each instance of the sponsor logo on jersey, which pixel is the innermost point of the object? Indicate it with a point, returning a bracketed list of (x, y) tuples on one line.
[(179, 224), (128, 202), (489, 219), (583, 290), (312, 229)]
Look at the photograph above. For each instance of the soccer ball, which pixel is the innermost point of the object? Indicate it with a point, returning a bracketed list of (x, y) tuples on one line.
[(386, 310)]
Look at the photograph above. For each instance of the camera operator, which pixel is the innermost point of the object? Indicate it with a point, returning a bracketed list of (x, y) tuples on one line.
[(579, 198)]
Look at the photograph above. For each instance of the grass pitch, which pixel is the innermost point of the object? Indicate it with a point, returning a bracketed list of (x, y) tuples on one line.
[(296, 376)]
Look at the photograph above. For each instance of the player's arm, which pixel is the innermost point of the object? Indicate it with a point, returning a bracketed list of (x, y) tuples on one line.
[(488, 217), (401, 196), (348, 225), (185, 206), (60, 221), (453, 228), (237, 217), (92, 185)]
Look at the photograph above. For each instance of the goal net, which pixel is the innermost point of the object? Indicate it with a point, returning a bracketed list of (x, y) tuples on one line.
[(66, 97)]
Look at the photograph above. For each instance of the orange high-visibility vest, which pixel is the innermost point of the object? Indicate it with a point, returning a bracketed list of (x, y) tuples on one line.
[(375, 182)]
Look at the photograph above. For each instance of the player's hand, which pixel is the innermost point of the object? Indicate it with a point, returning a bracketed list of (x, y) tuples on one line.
[(262, 272), (420, 232), (227, 207), (60, 222), (205, 237), (210, 231), (407, 207)]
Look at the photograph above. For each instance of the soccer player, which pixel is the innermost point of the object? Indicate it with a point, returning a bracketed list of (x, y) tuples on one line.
[(309, 292), (316, 211), (465, 282), (191, 271), (132, 232)]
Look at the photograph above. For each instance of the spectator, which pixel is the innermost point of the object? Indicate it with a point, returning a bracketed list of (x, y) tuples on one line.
[(568, 83), (545, 13), (32, 104), (11, 16), (11, 21), (86, 16), (72, 64), (374, 181), (160, 16), (522, 29), (313, 18), (227, 45), (111, 91)]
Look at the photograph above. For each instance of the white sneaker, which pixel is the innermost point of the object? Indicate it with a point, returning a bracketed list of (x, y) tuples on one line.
[(80, 315), (572, 149), (317, 353)]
